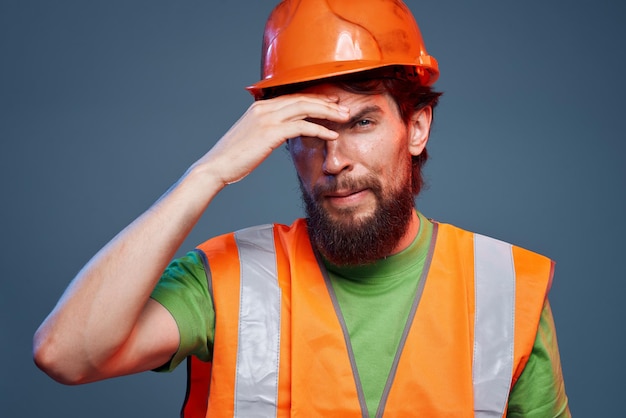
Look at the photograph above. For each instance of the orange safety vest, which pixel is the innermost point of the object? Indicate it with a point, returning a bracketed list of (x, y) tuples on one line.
[(281, 347)]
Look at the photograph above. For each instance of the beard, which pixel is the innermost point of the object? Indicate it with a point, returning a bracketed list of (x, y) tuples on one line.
[(349, 239)]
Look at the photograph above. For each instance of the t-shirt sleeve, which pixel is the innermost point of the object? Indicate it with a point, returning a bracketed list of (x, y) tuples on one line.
[(540, 391), (184, 291)]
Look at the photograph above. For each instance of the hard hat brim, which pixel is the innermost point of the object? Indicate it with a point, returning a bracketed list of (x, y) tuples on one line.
[(426, 70)]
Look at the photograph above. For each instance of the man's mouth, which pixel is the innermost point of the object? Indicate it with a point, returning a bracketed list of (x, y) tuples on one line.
[(343, 193), (346, 197)]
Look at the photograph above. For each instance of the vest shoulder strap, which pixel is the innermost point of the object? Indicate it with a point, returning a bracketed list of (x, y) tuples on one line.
[(510, 286)]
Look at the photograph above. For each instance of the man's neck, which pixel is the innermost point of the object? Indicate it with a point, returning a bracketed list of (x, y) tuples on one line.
[(410, 234)]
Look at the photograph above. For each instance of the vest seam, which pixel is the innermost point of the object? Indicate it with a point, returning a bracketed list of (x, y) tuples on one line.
[(513, 295), (235, 394), (209, 278), (409, 323), (188, 390), (280, 319), (346, 336), (207, 272)]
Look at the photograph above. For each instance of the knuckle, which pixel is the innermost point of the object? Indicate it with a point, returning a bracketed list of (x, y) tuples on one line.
[(256, 108)]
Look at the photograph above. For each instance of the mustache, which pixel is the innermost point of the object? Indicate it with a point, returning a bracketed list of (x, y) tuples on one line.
[(335, 184)]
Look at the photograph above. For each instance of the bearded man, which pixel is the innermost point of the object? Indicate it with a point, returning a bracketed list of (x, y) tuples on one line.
[(363, 308)]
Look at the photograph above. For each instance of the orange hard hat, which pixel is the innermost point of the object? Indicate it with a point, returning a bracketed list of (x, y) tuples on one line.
[(307, 40)]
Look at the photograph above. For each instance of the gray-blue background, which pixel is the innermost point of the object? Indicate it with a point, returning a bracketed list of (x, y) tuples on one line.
[(105, 104)]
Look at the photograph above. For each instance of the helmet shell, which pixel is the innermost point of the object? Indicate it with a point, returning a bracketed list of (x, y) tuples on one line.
[(307, 40)]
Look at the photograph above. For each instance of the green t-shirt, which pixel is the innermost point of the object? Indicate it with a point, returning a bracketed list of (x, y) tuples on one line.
[(375, 301)]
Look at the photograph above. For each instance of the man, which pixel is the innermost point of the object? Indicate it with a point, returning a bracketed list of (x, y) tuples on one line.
[(366, 308)]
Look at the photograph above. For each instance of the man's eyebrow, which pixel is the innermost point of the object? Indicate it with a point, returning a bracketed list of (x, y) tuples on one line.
[(363, 112)]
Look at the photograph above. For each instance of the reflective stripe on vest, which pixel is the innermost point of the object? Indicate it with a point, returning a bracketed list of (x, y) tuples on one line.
[(256, 385), (256, 381), (494, 325)]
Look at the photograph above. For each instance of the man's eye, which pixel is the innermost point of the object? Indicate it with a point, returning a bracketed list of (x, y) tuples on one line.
[(363, 123)]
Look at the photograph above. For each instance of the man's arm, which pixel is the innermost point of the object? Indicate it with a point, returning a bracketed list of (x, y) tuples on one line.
[(105, 325), (540, 390)]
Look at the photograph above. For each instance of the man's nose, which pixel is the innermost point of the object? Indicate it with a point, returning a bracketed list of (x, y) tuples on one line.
[(336, 159)]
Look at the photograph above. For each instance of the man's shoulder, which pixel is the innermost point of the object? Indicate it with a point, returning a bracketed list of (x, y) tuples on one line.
[(451, 231)]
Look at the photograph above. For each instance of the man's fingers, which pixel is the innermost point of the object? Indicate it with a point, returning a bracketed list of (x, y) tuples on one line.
[(311, 129), (296, 107)]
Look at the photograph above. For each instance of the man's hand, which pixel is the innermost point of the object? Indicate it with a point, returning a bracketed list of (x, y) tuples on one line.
[(265, 126)]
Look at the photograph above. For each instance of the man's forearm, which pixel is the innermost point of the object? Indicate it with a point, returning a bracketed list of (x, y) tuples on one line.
[(98, 311)]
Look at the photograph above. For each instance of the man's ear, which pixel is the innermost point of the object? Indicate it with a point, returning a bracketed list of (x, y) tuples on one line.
[(419, 130)]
